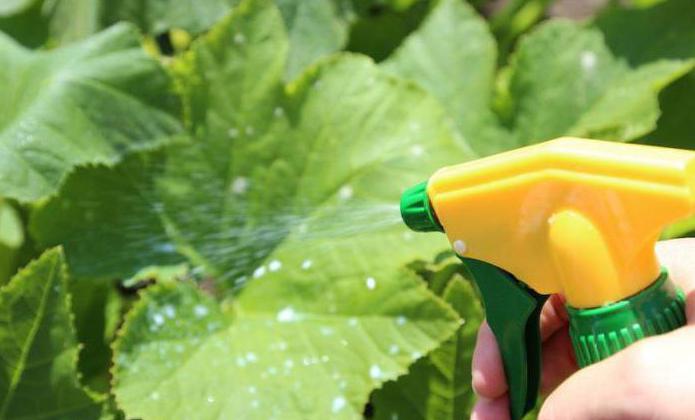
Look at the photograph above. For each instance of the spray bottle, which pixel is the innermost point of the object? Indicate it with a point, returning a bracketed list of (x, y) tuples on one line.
[(569, 216)]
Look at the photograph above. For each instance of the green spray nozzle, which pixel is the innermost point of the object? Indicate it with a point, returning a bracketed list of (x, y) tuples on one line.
[(416, 210)]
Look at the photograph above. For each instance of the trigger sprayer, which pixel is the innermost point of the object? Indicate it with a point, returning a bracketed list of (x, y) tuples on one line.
[(569, 216)]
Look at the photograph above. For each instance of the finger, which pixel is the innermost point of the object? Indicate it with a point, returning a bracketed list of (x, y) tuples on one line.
[(558, 360), (488, 371), (677, 255), (553, 316), (497, 409), (647, 380)]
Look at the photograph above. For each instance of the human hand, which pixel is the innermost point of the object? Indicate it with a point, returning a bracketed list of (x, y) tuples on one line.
[(654, 378)]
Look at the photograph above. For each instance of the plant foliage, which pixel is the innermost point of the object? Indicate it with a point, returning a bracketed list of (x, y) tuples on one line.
[(198, 199)]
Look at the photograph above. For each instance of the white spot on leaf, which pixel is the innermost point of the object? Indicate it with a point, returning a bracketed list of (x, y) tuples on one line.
[(375, 372), (240, 185), (371, 283), (200, 311), (345, 192), (417, 150), (274, 265), (259, 272), (287, 315), (588, 60), (338, 404), (169, 311)]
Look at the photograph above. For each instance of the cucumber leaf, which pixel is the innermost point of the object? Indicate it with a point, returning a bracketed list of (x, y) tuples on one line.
[(38, 375), (563, 80), (91, 102), (307, 349)]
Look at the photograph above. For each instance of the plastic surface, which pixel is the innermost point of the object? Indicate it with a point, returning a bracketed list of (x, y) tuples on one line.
[(512, 311), (416, 211), (600, 332), (569, 216)]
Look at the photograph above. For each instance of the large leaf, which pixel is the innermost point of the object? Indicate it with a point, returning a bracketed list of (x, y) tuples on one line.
[(566, 81), (453, 56), (87, 103), (268, 160), (285, 184), (439, 385), (309, 349), (38, 375)]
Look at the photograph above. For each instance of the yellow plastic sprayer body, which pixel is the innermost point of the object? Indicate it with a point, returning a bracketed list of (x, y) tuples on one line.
[(570, 216)]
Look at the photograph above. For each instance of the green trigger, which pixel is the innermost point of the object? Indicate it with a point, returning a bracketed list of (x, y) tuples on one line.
[(513, 312)]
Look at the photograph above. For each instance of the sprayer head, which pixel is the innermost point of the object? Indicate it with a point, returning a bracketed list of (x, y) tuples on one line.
[(416, 210)]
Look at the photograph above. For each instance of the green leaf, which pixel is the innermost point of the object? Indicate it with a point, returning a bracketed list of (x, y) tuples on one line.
[(663, 31), (38, 375), (565, 80), (158, 16), (629, 108), (309, 350), (642, 35), (438, 386), (87, 103), (11, 7), (453, 56), (315, 28), (259, 170)]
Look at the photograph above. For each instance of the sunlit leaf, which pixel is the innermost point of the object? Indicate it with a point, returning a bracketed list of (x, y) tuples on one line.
[(88, 103)]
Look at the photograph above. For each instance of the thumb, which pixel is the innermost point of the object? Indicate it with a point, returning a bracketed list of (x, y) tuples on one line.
[(650, 379)]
